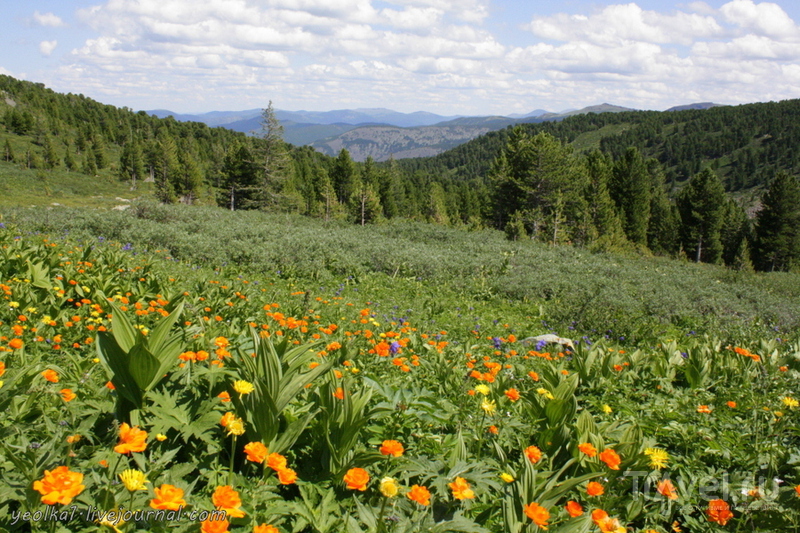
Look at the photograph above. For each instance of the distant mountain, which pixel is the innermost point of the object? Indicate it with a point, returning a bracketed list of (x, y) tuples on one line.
[(381, 142), (534, 113), (701, 105)]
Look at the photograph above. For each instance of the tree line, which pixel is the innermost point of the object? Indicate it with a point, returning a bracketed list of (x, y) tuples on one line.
[(637, 189)]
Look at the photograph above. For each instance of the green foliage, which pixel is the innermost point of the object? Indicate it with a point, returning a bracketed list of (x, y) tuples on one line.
[(777, 242)]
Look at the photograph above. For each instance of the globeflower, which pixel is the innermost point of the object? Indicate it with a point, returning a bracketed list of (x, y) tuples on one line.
[(392, 447), (606, 523), (356, 479), (265, 528), (286, 476), (419, 494), (67, 395), (594, 489), (610, 458), (719, 511), (538, 514), (131, 439), (512, 394), (461, 489), (214, 526), (667, 489), (587, 449), (389, 487), (225, 498), (533, 453), (59, 486), (50, 375), (256, 452), (168, 497), (574, 508)]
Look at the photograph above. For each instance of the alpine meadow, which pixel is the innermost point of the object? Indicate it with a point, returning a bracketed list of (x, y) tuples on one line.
[(580, 324)]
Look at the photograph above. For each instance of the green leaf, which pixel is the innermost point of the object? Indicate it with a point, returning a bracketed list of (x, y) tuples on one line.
[(118, 362), (143, 366)]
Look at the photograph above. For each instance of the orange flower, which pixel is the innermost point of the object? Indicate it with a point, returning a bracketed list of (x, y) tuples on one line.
[(797, 490), (731, 404), (356, 479), (392, 447), (50, 375), (59, 486), (227, 499), (226, 419), (512, 394), (131, 439), (667, 489), (594, 489), (2, 368), (256, 452), (67, 395), (287, 476), (574, 508), (15, 344), (610, 458), (419, 494), (533, 375), (224, 396), (265, 528), (214, 526), (493, 430), (587, 449), (461, 490), (606, 523), (339, 394), (719, 511), (533, 454), (703, 409), (537, 513), (168, 497), (276, 461)]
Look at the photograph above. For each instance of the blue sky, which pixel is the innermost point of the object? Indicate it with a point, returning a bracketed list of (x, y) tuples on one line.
[(442, 56)]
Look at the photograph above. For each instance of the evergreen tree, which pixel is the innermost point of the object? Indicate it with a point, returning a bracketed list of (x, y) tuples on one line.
[(777, 239), (366, 204), (240, 178), (99, 145), (51, 159), (734, 234), (131, 163), (630, 189), (437, 205), (601, 208), (8, 153), (69, 159), (343, 176), (664, 224), (167, 167), (701, 207), (89, 162), (275, 163)]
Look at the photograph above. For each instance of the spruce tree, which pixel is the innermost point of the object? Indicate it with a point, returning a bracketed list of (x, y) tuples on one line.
[(777, 240), (630, 189), (701, 206), (275, 163)]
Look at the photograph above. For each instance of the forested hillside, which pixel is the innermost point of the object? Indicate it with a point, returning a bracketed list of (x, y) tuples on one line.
[(651, 182)]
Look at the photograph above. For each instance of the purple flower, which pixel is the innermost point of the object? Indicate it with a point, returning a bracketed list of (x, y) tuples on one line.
[(540, 345), (497, 342), (394, 347)]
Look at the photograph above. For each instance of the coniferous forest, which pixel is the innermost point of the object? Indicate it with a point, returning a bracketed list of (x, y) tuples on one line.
[(718, 185)]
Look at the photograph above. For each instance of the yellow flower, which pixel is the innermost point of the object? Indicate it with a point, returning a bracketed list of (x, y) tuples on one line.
[(133, 480), (389, 487), (236, 427), (243, 387), (161, 437), (790, 402), (488, 406), (13, 304), (483, 389), (544, 392), (607, 409), (508, 478), (658, 457)]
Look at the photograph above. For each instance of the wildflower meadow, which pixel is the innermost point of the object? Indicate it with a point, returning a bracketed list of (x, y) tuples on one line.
[(141, 392)]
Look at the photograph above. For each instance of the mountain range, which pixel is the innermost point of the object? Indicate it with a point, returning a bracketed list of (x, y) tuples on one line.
[(382, 133)]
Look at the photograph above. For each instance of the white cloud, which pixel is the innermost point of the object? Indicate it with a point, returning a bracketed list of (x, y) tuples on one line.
[(47, 47), (765, 19), (47, 19), (429, 54)]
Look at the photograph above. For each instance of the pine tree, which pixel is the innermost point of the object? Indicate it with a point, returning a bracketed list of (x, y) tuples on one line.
[(701, 207), (366, 204), (601, 208), (777, 240), (343, 176), (240, 178), (131, 163), (664, 224), (51, 159), (167, 167), (69, 159)]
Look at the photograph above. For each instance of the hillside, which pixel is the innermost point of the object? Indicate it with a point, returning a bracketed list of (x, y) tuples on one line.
[(744, 144)]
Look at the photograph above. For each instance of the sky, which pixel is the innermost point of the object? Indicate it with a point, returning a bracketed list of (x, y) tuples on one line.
[(451, 57)]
